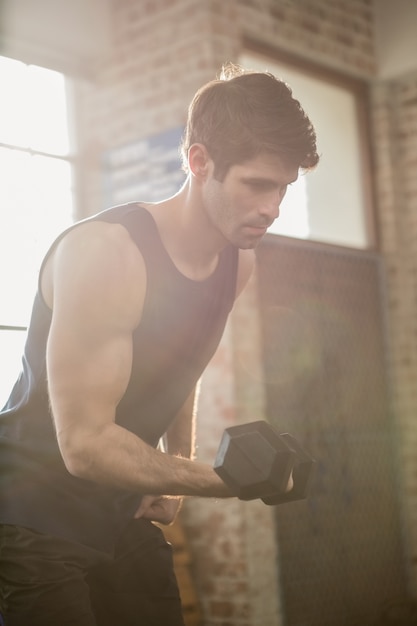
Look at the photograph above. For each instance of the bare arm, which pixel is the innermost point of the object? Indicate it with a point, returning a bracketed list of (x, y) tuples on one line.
[(180, 436), (97, 288), (179, 441)]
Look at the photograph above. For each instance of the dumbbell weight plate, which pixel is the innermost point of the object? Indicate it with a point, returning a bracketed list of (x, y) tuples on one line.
[(254, 461), (302, 474)]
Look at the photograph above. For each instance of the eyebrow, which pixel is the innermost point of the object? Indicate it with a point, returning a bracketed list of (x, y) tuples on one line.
[(259, 179)]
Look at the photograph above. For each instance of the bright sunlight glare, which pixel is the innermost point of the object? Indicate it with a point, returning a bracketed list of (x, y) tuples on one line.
[(36, 200), (33, 111), (293, 217)]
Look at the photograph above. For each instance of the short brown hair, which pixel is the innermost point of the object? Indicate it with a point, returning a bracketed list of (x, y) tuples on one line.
[(244, 113)]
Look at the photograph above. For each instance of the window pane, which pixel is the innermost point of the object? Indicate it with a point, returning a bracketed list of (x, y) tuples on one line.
[(35, 204), (33, 111), (14, 122), (48, 110), (11, 348), (293, 213), (35, 195)]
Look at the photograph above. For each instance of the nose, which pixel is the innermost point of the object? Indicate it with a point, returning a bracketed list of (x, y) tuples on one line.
[(270, 210)]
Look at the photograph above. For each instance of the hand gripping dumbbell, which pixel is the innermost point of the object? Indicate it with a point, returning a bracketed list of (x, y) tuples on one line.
[(256, 462)]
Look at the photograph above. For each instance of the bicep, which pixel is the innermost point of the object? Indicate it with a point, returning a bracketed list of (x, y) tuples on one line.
[(88, 370), (89, 351)]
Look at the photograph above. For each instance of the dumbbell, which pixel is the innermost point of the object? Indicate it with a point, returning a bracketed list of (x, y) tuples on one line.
[(256, 462)]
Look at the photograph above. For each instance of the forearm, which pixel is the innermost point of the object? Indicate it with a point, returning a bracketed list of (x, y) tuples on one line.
[(180, 437), (114, 456)]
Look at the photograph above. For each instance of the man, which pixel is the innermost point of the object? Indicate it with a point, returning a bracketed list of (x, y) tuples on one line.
[(130, 308)]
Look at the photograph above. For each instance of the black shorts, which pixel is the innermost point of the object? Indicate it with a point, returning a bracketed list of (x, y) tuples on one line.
[(45, 581)]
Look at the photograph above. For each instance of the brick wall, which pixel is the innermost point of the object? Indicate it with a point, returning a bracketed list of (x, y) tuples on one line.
[(162, 51), (335, 33), (394, 105)]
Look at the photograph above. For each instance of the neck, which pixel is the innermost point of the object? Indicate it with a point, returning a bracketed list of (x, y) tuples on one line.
[(186, 233)]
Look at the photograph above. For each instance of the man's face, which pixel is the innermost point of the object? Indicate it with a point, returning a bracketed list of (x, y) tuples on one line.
[(247, 201)]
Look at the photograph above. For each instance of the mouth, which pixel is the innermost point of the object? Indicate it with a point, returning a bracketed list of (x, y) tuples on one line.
[(257, 230)]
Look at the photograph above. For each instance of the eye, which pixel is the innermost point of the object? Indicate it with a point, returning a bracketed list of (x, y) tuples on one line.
[(260, 185)]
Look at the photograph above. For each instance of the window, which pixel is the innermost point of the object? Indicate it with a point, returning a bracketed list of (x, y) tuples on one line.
[(35, 194), (330, 204)]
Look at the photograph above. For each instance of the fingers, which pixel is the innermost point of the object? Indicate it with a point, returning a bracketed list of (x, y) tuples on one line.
[(160, 509), (290, 483)]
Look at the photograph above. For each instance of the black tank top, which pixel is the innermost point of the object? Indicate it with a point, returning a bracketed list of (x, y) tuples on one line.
[(181, 326)]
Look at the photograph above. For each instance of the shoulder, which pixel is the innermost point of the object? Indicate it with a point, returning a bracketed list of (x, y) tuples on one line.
[(101, 247), (95, 260), (246, 264), (95, 235)]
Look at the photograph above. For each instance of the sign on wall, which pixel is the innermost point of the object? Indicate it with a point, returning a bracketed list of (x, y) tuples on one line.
[(148, 169)]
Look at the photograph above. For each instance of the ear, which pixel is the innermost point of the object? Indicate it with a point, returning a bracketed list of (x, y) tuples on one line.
[(199, 161)]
